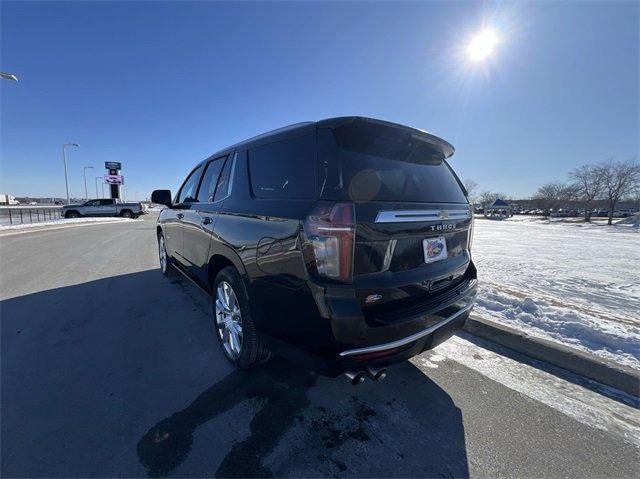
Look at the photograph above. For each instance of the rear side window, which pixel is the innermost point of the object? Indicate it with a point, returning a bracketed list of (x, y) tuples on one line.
[(188, 191), (362, 162), (224, 183), (106, 202), (285, 169), (209, 180)]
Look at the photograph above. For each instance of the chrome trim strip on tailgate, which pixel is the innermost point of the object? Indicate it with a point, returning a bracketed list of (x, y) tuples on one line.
[(408, 339), (405, 216)]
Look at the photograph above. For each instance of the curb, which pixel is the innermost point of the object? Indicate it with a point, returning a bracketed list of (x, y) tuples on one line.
[(598, 369)]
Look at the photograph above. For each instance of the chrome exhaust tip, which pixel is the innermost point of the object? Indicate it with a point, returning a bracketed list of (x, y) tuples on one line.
[(355, 378), (377, 374)]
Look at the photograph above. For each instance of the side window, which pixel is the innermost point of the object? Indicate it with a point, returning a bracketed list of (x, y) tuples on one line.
[(188, 191), (285, 169), (209, 180), (92, 203), (224, 183), (106, 202)]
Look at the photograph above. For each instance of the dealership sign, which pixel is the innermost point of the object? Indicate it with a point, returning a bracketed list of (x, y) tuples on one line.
[(113, 165), (114, 179)]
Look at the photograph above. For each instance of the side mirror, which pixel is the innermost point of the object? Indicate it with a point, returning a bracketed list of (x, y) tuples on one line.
[(162, 197)]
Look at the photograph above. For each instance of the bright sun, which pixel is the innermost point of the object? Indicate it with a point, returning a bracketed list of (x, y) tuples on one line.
[(482, 45)]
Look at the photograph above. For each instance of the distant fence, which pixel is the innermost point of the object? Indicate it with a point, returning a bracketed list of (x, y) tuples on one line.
[(15, 215)]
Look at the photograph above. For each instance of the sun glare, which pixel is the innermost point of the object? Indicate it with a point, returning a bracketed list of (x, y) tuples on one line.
[(482, 45)]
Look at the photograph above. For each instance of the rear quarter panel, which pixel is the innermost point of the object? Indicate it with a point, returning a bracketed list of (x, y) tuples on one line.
[(265, 235)]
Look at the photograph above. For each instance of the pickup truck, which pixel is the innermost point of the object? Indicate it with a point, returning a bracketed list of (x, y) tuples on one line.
[(103, 207)]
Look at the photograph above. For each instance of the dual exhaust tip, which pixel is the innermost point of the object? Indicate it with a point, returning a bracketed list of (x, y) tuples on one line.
[(375, 374)]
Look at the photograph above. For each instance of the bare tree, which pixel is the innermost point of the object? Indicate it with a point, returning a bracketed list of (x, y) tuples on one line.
[(554, 195), (471, 187), (588, 186), (619, 179)]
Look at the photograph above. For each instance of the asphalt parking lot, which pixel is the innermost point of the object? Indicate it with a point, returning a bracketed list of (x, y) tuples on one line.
[(111, 369)]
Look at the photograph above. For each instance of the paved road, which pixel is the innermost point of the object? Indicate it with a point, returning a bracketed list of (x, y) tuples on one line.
[(110, 369)]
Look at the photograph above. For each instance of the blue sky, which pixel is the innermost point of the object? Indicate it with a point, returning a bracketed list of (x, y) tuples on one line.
[(160, 86)]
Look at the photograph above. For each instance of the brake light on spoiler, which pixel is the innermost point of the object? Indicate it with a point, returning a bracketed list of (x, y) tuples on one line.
[(330, 232)]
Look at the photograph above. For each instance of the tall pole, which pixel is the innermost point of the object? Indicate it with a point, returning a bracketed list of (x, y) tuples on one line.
[(96, 181), (64, 159), (84, 173), (8, 76), (66, 175)]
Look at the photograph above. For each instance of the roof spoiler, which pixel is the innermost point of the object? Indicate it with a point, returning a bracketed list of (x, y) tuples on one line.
[(439, 144)]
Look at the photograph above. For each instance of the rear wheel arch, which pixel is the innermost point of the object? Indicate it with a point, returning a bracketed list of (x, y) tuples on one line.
[(222, 256), (217, 263)]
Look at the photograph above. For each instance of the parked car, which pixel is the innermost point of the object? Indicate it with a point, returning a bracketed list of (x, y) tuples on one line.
[(103, 207), (343, 244), (623, 213)]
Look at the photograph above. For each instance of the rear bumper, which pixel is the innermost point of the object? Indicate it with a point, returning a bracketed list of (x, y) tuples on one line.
[(343, 339), (399, 343), (443, 324)]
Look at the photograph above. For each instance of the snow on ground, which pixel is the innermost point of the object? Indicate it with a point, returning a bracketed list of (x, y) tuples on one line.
[(575, 283), (62, 222), (591, 407)]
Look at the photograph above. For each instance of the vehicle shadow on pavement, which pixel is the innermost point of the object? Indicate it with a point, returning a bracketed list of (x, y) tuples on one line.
[(88, 369), (313, 426)]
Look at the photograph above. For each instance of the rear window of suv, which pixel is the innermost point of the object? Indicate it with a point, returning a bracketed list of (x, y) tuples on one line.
[(285, 169), (369, 162)]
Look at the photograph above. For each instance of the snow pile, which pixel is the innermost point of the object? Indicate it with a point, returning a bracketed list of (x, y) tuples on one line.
[(64, 221), (631, 220), (572, 283)]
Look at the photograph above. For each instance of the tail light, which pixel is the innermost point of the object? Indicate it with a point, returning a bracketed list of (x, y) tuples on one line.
[(330, 232)]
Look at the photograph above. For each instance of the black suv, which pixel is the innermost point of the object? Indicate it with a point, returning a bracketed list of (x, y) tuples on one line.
[(343, 244)]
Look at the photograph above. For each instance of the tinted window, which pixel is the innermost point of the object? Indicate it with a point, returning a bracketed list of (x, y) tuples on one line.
[(209, 180), (106, 202), (285, 169), (369, 163), (188, 192), (92, 203), (224, 183)]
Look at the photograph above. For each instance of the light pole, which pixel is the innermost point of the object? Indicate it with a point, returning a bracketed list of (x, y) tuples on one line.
[(84, 173), (99, 178), (8, 76), (64, 158)]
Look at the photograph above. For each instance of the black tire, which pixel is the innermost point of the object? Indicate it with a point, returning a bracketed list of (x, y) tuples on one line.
[(252, 352), (167, 268), (72, 214), (126, 214)]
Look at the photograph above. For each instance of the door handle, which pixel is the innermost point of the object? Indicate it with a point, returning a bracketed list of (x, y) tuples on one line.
[(180, 216), (207, 220)]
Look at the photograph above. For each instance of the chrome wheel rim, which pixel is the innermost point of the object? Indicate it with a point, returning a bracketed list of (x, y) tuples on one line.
[(162, 252), (228, 320)]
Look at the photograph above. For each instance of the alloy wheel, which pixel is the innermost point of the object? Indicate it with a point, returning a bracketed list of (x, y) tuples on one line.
[(228, 320), (162, 253)]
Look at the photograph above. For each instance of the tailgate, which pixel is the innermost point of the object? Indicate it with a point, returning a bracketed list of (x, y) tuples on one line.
[(392, 266), (413, 220)]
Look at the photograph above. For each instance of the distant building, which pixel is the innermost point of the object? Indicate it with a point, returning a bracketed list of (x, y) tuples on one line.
[(8, 200)]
